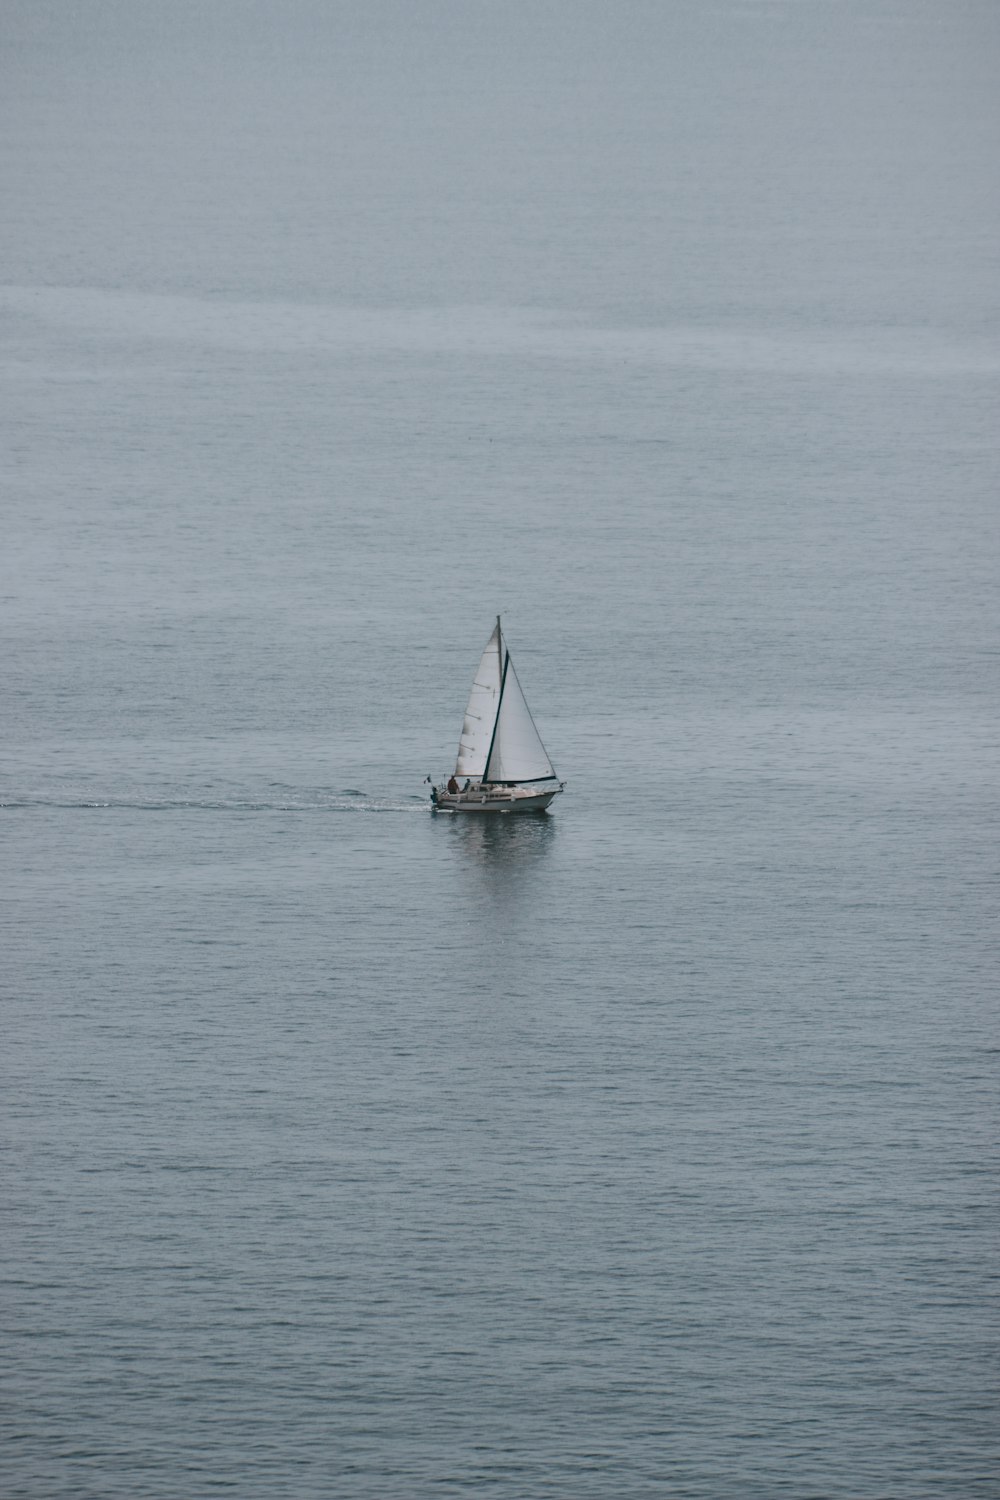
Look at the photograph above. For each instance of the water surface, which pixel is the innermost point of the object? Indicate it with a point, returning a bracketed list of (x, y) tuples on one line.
[(645, 1149)]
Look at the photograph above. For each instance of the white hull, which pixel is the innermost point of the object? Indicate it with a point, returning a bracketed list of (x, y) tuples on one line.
[(507, 799)]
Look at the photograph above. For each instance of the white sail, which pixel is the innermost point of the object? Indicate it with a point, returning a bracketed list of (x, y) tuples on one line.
[(480, 713), (517, 753)]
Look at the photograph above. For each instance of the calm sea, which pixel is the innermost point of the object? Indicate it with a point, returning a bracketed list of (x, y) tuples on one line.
[(642, 1150)]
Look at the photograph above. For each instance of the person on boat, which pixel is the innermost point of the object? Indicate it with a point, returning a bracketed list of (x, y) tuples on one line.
[(468, 783), (452, 785)]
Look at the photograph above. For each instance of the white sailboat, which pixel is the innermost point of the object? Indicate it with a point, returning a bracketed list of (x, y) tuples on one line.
[(502, 765)]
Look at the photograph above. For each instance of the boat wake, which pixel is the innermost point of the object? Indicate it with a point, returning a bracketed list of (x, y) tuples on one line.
[(348, 802)]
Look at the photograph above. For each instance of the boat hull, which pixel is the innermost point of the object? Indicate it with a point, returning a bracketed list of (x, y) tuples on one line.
[(507, 800)]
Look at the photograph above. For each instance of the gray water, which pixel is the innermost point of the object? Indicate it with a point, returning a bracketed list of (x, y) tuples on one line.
[(644, 1149)]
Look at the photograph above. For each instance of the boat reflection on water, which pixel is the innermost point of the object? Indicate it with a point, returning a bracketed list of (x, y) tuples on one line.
[(503, 843)]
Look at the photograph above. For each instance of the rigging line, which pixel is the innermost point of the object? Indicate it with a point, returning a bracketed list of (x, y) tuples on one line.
[(533, 724)]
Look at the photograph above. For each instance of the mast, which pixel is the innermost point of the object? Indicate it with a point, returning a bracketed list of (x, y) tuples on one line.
[(496, 721)]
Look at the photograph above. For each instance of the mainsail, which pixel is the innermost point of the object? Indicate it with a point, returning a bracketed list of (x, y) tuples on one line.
[(481, 712), (499, 740)]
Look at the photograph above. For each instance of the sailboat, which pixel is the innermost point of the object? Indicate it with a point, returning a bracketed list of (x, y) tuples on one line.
[(502, 765)]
